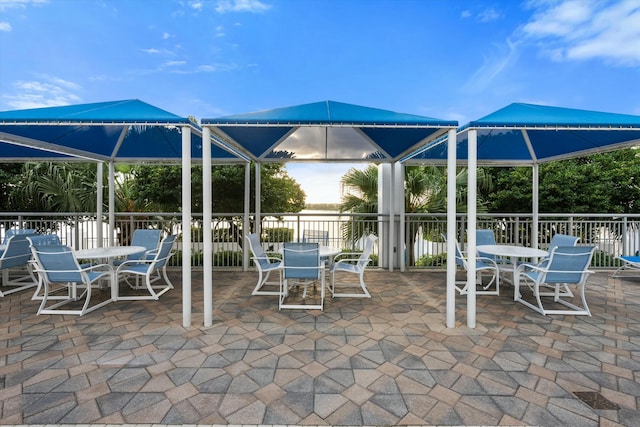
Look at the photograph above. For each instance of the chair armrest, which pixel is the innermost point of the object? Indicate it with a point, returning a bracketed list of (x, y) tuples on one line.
[(128, 263), (97, 266), (346, 254), (151, 253), (528, 266), (268, 258), (487, 260)]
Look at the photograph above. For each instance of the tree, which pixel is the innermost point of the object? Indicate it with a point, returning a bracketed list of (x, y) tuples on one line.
[(56, 187), (161, 186), (599, 183), (9, 173), (425, 192)]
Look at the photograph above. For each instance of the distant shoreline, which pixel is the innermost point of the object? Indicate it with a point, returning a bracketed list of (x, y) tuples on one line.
[(323, 206)]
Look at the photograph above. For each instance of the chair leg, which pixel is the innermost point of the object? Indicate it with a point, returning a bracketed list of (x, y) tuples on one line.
[(364, 294)]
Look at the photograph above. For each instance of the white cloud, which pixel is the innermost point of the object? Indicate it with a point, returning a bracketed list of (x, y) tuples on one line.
[(465, 14), (220, 31), (211, 68), (150, 51), (11, 4), (588, 29), (174, 63), (254, 6), (166, 36), (48, 92), (494, 63), (488, 15), (5, 26)]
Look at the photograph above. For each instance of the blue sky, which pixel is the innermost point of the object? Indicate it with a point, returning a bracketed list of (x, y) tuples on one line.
[(456, 60)]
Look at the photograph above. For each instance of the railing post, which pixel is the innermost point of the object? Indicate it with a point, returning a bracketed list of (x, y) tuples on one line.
[(624, 237)]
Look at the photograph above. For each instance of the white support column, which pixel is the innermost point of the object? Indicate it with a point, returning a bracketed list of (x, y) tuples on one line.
[(112, 203), (99, 198), (536, 206), (400, 200), (247, 208), (471, 227), (207, 252), (392, 240), (451, 229), (258, 204), (186, 226)]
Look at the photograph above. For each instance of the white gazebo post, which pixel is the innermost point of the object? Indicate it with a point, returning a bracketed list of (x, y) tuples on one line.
[(207, 252), (392, 241), (451, 229), (99, 196), (186, 226), (257, 201), (112, 198), (400, 197), (245, 221), (536, 206), (472, 196)]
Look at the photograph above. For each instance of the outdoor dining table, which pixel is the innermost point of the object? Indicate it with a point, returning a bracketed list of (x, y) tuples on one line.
[(327, 252), (108, 254), (513, 252)]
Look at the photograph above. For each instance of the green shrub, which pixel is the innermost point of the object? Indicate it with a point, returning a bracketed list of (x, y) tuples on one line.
[(439, 260), (280, 234), (227, 259)]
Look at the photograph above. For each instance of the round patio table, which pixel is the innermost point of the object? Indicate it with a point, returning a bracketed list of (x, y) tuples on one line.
[(108, 254)]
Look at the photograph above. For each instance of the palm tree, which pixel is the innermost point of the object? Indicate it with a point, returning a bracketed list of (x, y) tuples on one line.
[(425, 192), (360, 195), (56, 187)]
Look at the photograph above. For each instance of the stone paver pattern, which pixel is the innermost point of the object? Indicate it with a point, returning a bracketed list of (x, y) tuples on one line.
[(388, 360)]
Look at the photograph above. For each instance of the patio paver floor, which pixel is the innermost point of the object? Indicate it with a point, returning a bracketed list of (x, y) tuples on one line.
[(388, 360)]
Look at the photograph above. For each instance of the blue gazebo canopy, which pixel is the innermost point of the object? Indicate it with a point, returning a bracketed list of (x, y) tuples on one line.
[(327, 131), (124, 131), (524, 134)]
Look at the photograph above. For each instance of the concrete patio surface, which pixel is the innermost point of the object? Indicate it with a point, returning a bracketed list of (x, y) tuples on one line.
[(388, 360)]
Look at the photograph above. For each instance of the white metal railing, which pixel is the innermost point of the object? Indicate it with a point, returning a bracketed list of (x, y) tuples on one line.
[(423, 244)]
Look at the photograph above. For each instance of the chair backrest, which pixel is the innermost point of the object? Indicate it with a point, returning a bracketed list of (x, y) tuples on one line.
[(16, 252), (301, 260), (259, 255), (164, 252), (562, 240), (568, 264), (369, 241), (15, 231), (315, 236), (57, 263), (460, 260), (44, 240), (148, 238), (485, 237)]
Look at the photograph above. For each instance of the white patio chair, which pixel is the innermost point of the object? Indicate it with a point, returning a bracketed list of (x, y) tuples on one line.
[(353, 263), (316, 236), (560, 240), (17, 274), (301, 266), (482, 265), (57, 267), (487, 237), (145, 268), (265, 264), (42, 240), (567, 265), (148, 238), (15, 231)]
